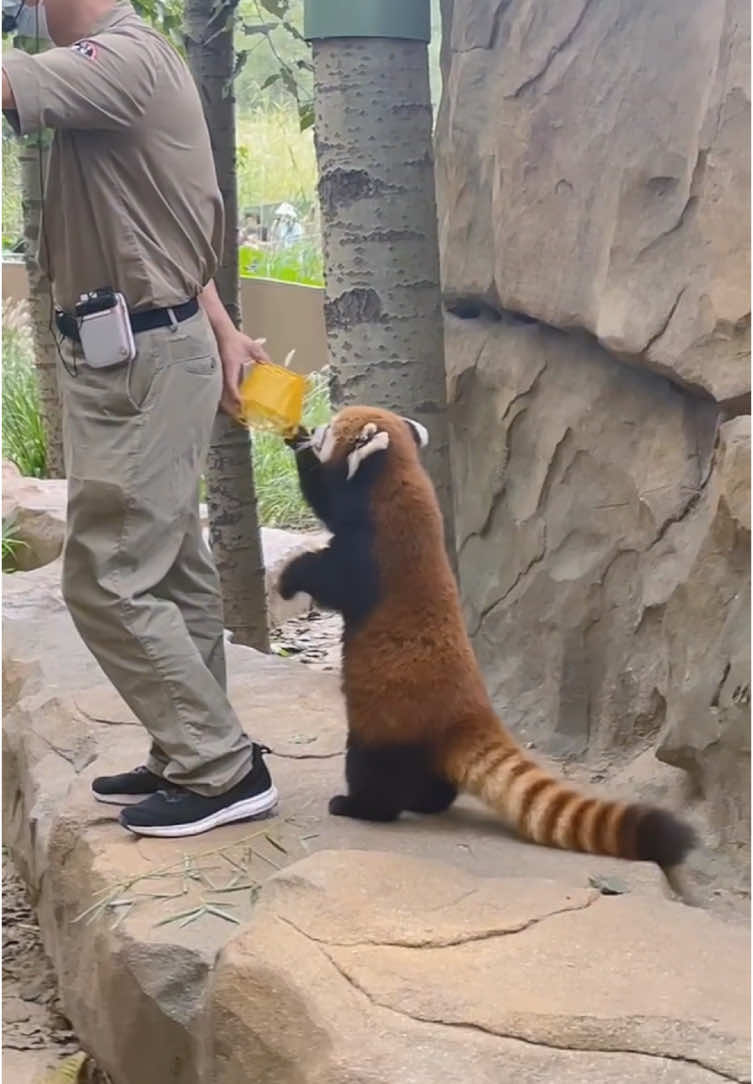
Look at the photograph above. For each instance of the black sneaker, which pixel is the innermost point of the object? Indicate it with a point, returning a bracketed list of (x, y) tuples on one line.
[(128, 787), (180, 812)]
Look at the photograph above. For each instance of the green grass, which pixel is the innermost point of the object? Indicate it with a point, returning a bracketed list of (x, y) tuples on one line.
[(302, 263), (11, 546), (276, 161), (23, 433), (12, 211)]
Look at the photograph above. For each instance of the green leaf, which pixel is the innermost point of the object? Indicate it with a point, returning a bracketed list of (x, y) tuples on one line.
[(288, 81), (293, 30), (276, 7), (306, 115), (240, 59)]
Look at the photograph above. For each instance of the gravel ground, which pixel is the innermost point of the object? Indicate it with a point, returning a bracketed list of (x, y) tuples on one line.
[(37, 1037)]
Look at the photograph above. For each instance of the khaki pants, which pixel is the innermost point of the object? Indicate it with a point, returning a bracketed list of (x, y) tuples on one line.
[(138, 579)]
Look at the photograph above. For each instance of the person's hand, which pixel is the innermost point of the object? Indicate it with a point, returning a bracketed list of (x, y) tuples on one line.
[(237, 352)]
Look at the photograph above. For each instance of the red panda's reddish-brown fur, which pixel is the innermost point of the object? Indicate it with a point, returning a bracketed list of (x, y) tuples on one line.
[(410, 676)]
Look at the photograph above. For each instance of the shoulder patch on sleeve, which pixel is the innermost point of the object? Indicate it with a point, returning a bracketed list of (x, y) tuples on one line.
[(85, 48)]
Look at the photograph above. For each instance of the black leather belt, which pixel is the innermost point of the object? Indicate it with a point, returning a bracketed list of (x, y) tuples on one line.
[(140, 321)]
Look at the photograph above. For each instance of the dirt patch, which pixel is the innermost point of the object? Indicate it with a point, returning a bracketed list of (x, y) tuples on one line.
[(37, 1036), (313, 639)]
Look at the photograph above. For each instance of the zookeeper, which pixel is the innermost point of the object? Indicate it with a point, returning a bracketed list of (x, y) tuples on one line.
[(132, 208)]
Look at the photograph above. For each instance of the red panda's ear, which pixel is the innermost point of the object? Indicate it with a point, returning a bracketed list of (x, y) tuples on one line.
[(419, 432)]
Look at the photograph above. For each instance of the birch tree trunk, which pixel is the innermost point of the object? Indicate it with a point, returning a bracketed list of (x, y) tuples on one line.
[(231, 496), (383, 310)]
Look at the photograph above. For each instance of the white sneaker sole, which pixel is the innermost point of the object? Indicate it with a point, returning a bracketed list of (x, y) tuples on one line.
[(121, 799), (238, 811)]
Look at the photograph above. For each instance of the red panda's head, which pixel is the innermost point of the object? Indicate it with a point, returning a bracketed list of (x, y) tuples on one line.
[(358, 433)]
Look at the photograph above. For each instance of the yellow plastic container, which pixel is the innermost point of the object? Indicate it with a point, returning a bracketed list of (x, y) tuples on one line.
[(272, 399)]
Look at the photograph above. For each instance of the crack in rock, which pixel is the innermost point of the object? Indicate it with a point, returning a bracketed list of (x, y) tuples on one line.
[(514, 1036), (553, 52), (306, 756), (640, 359), (665, 324), (446, 942), (78, 761), (535, 560), (520, 397), (690, 504)]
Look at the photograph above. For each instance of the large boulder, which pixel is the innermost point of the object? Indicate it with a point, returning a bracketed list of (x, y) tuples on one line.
[(707, 727), (34, 516), (349, 967), (593, 175), (372, 967), (604, 544)]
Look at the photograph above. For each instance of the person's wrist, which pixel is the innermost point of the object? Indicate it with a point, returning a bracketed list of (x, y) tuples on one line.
[(225, 333)]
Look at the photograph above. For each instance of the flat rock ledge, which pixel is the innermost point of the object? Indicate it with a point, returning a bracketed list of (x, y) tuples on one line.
[(306, 950)]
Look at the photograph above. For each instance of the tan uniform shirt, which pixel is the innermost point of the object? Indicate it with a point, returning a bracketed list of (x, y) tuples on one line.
[(131, 199)]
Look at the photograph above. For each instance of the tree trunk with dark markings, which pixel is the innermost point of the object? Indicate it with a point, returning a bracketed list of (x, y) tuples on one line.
[(231, 496), (376, 190)]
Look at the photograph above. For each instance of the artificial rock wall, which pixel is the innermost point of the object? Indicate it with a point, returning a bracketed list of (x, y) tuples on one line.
[(593, 178)]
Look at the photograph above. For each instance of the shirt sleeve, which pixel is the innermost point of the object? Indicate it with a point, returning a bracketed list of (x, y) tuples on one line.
[(105, 82)]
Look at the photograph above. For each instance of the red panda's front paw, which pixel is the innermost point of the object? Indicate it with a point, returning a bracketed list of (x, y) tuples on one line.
[(339, 806), (301, 438), (287, 584)]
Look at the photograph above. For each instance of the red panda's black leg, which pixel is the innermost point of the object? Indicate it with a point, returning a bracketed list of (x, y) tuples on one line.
[(360, 808), (385, 780), (437, 796), (370, 774), (313, 483)]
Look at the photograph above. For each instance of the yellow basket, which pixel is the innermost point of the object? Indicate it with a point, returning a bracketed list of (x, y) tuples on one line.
[(272, 399)]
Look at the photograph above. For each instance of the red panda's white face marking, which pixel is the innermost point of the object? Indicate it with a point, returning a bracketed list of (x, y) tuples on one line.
[(370, 440), (323, 443), (356, 433)]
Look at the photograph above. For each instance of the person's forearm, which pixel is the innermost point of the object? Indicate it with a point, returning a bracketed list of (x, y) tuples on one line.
[(222, 326), (9, 102)]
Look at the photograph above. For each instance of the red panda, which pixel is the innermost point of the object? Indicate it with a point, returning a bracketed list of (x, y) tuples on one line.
[(421, 726)]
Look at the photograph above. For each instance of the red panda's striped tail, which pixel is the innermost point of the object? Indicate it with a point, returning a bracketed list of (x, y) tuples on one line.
[(548, 811)]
